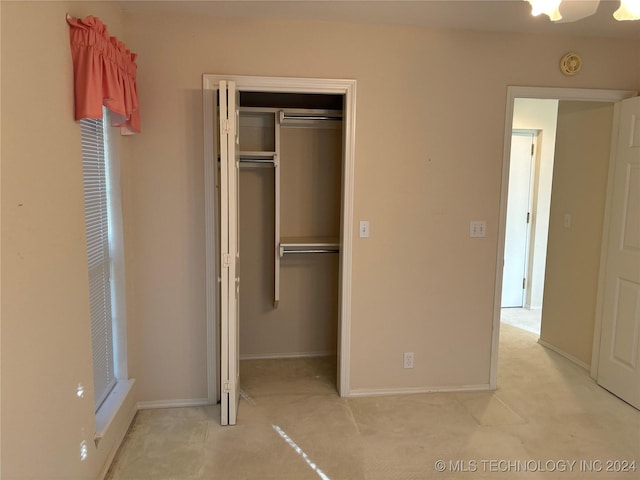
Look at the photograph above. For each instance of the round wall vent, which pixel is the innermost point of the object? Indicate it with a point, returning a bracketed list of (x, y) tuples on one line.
[(570, 64)]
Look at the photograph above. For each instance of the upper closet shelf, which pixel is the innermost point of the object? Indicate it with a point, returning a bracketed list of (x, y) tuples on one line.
[(308, 117), (309, 245), (258, 158), (256, 155)]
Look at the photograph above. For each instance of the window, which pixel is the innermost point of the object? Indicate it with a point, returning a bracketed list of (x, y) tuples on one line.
[(95, 165)]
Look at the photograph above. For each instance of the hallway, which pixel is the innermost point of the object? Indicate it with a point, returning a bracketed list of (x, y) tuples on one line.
[(529, 320)]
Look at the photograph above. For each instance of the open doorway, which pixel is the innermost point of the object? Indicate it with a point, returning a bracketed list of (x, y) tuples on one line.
[(533, 137), (570, 279)]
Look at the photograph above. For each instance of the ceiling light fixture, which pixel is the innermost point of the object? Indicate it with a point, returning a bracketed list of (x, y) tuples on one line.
[(629, 9), (551, 8)]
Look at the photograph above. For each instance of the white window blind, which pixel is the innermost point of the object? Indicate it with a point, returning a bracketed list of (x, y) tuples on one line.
[(95, 173)]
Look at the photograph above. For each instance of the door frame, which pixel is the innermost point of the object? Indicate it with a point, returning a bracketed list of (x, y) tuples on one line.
[(574, 94), (344, 87)]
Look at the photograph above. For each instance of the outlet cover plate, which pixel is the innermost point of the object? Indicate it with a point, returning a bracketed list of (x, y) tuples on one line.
[(478, 229), (408, 359)]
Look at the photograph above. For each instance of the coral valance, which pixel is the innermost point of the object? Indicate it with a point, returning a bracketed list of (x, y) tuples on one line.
[(104, 74)]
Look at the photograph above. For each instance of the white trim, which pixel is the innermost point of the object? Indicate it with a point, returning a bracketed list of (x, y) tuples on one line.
[(123, 433), (111, 406), (566, 94), (119, 400), (116, 252), (564, 354), (377, 392), (576, 94), (348, 180), (271, 356), (177, 403), (211, 247), (286, 85), (604, 246)]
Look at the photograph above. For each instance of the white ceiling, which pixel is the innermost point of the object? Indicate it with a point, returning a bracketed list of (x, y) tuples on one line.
[(485, 15)]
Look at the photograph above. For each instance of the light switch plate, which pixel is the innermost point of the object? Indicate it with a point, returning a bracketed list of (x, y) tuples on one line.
[(364, 229), (478, 229)]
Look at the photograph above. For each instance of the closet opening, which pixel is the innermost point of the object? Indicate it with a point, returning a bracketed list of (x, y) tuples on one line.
[(279, 163), (289, 213), (291, 100)]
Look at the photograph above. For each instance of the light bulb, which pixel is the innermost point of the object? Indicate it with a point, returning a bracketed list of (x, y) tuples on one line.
[(629, 10), (551, 8)]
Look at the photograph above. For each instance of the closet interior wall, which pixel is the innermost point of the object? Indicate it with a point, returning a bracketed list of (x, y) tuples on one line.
[(304, 322)]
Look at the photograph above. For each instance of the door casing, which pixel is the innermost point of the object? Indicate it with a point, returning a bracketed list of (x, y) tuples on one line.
[(347, 88)]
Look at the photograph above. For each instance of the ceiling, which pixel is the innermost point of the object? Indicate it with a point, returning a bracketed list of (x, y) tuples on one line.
[(483, 15)]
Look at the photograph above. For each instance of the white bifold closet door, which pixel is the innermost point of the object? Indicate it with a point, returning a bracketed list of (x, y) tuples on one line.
[(229, 253)]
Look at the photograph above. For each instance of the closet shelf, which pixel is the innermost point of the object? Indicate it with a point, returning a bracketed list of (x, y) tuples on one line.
[(256, 154), (268, 158), (258, 159), (309, 245)]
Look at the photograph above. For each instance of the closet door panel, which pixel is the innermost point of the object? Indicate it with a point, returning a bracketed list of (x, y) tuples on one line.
[(229, 281)]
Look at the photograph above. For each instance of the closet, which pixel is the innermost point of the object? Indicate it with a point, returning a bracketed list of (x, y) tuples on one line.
[(289, 224), (279, 225)]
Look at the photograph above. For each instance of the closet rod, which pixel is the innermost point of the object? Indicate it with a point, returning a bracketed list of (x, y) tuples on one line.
[(315, 250), (293, 116), (256, 160)]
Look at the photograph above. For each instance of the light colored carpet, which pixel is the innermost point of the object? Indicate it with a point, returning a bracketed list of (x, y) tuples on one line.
[(546, 414)]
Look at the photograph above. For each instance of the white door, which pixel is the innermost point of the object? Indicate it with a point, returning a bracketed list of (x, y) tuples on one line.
[(619, 360), (516, 240), (229, 255)]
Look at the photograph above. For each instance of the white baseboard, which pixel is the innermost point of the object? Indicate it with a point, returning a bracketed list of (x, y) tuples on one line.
[(578, 362), (270, 356), (373, 392), (177, 403)]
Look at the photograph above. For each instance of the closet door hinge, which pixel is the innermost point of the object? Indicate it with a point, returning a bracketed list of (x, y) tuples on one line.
[(226, 387), (226, 260), (226, 126)]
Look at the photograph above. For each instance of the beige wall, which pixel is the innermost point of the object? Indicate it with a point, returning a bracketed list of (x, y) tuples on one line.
[(429, 133), (428, 158), (573, 258), (46, 340), (539, 114)]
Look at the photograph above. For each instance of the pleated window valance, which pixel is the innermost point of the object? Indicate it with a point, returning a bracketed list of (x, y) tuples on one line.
[(104, 73)]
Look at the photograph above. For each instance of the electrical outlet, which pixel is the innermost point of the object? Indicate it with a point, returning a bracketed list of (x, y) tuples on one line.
[(408, 359)]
